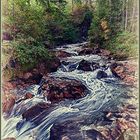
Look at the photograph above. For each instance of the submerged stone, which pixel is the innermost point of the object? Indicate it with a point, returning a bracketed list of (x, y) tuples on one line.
[(101, 74)]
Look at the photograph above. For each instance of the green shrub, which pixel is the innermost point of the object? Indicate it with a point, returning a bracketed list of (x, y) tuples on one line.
[(124, 44), (27, 20), (54, 24), (70, 27), (95, 32), (60, 31), (29, 56)]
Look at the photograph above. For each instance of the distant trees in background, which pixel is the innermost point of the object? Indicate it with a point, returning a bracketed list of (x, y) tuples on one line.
[(33, 15), (115, 26), (58, 22)]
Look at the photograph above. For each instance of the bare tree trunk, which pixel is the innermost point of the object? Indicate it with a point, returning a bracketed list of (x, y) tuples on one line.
[(133, 18), (126, 15), (123, 14)]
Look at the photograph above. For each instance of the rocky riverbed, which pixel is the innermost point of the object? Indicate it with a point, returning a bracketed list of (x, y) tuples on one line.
[(84, 95)]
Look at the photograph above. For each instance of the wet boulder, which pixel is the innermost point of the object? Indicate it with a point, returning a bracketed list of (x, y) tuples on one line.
[(97, 50), (35, 111), (86, 51), (67, 129), (35, 78), (117, 70), (28, 95), (85, 66), (53, 65), (71, 130), (61, 89), (101, 74), (8, 105), (62, 54), (8, 102), (50, 65), (126, 70)]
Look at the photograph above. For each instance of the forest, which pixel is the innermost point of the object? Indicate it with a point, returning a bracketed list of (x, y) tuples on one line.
[(40, 24), (69, 69)]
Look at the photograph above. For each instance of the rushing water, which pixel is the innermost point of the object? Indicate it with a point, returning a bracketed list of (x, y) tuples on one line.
[(104, 93)]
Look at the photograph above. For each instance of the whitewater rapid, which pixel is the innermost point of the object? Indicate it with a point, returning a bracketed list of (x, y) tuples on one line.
[(102, 93)]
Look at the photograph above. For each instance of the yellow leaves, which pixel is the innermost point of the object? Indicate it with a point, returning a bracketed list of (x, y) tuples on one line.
[(104, 25), (105, 28)]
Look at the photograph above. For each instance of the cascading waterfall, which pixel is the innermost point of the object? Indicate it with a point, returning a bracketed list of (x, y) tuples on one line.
[(103, 93)]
